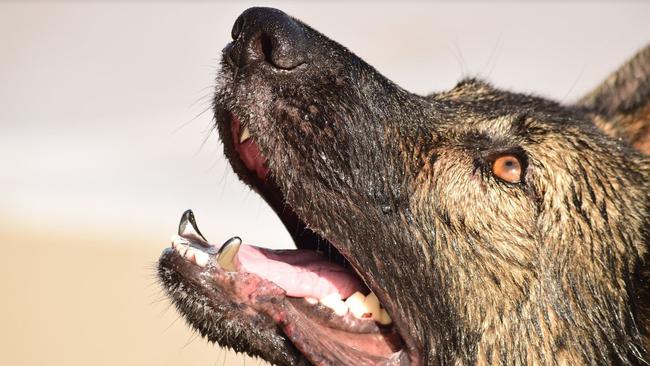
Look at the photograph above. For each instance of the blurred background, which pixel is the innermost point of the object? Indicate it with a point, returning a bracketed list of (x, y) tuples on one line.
[(106, 138)]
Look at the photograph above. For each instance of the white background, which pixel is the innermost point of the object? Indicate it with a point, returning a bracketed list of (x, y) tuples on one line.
[(106, 137)]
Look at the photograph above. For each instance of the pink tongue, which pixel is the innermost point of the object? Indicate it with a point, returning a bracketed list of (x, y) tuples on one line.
[(301, 273)]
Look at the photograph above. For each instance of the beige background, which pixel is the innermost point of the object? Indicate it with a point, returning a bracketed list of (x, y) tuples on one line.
[(104, 142)]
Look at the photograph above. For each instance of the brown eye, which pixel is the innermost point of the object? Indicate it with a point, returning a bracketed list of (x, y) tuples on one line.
[(507, 168)]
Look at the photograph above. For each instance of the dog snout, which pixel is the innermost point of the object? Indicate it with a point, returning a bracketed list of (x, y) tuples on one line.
[(267, 35)]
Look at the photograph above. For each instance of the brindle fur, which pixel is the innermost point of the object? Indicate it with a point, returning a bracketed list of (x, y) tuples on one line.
[(550, 271)]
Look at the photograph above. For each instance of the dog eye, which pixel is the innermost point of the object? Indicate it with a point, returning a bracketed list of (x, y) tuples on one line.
[(507, 168)]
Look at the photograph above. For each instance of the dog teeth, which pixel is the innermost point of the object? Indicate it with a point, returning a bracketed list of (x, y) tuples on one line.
[(189, 254), (359, 305), (201, 258), (364, 307), (355, 304), (372, 306), (187, 228), (227, 253), (334, 302), (384, 318), (194, 255), (182, 249), (311, 300), (244, 135)]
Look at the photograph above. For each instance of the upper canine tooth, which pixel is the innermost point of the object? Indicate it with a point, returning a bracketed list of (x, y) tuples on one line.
[(244, 135), (227, 253)]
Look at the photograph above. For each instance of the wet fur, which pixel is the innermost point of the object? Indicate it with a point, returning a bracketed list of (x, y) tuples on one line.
[(550, 271)]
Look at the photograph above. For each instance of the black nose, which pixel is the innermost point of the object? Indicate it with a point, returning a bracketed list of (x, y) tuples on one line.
[(269, 35)]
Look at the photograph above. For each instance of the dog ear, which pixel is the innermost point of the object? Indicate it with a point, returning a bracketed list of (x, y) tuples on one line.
[(621, 105)]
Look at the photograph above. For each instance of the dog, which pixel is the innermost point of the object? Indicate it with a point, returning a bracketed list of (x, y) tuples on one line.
[(474, 226)]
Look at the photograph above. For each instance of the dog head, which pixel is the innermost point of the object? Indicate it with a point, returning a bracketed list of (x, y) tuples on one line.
[(493, 227)]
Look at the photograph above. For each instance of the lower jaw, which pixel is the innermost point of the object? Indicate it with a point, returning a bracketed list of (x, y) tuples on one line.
[(326, 345), (321, 337)]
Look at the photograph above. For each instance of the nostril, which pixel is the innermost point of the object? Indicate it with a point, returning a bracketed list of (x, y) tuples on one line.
[(270, 36), (267, 48)]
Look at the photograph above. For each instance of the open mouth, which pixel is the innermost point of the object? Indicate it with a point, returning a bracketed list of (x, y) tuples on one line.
[(312, 294)]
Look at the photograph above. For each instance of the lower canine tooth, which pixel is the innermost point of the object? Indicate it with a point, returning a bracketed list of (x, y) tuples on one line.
[(187, 228), (227, 254), (201, 258), (311, 300)]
